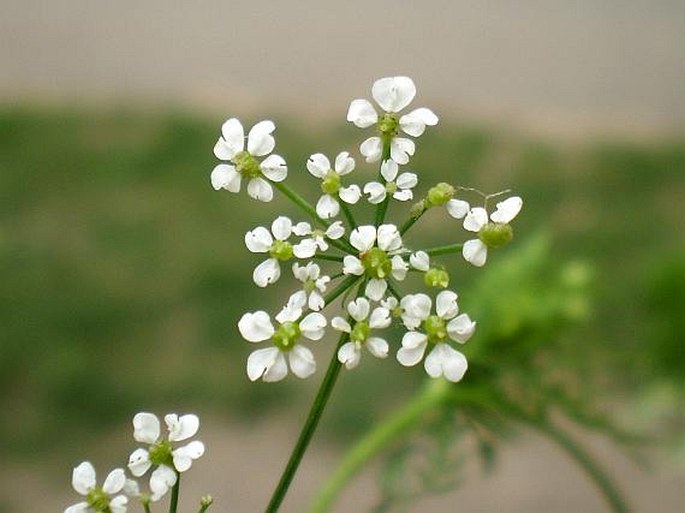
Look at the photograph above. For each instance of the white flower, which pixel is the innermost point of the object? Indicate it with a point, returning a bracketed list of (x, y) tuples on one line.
[(490, 234), (270, 363), (260, 240), (331, 183), (313, 287), (420, 261), (400, 187), (335, 231), (98, 498), (376, 246), (244, 164), (349, 353), (392, 94), (437, 330), (161, 453)]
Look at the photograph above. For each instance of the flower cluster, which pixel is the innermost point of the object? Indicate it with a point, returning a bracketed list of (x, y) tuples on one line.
[(331, 255), (160, 453)]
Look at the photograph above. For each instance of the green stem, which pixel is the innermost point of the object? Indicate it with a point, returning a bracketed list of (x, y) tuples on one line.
[(348, 215), (444, 250), (308, 430), (146, 506), (173, 502), (342, 287), (382, 207), (410, 222), (332, 258)]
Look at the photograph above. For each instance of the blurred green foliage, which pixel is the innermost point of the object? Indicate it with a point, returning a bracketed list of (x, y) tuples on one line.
[(124, 273)]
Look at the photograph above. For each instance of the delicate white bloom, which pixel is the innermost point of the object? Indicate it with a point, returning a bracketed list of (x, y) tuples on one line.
[(161, 453), (318, 237), (276, 244), (420, 261), (400, 187), (98, 498), (436, 331), (392, 94), (331, 183), (366, 320), (375, 246), (271, 363), (313, 287), (243, 164), (490, 234)]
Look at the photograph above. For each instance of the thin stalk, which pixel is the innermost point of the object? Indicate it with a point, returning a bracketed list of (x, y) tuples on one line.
[(341, 288), (173, 502), (348, 215), (444, 250), (332, 258), (382, 207), (146, 506), (410, 222)]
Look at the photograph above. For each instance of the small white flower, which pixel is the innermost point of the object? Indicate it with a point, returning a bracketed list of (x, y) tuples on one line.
[(400, 187), (436, 331), (98, 498), (244, 164), (270, 363), (392, 94), (331, 183), (276, 244), (313, 287), (420, 261), (318, 237), (161, 453), (375, 246), (490, 234), (366, 320)]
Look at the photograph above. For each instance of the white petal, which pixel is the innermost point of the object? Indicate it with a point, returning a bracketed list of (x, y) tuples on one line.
[(316, 301), (380, 318), (507, 210), (350, 194), (335, 231), (389, 170), (274, 168), (376, 192), (403, 195), (420, 260), (457, 208), (443, 360), (161, 480), (259, 189), (145, 428), (131, 488), (261, 361), (372, 148), (327, 207), (258, 240), (302, 361), (184, 456), (139, 462), (318, 165), (446, 304), (282, 227), (267, 272), (377, 347), (83, 478), (417, 306), (363, 237), (475, 252), (461, 328), (409, 356), (414, 339), (305, 249), (293, 309), (375, 289), (349, 355), (312, 326), (389, 238), (393, 93), (414, 123), (226, 177), (352, 265), (234, 136), (390, 303), (183, 427), (81, 507), (476, 219), (259, 140), (362, 113), (302, 228), (114, 482), (340, 324), (399, 268), (223, 151), (359, 308), (300, 272), (407, 180), (118, 504), (256, 326), (401, 149), (344, 164)]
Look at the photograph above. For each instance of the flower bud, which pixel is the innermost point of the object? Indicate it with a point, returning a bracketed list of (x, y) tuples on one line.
[(495, 235), (437, 278), (440, 194)]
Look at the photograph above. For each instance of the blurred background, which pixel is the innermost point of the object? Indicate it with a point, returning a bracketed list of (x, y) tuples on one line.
[(123, 273)]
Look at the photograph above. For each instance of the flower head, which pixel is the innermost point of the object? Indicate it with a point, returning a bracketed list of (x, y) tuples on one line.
[(313, 286), (399, 187), (98, 498), (365, 320), (319, 236), (243, 163), (392, 94), (331, 183)]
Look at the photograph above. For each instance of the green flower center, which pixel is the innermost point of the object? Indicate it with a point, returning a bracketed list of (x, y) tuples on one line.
[(495, 235), (331, 183), (388, 126), (391, 187), (287, 334), (360, 332), (282, 250), (160, 453), (246, 165), (376, 263), (309, 286), (435, 328), (440, 194), (98, 500), (436, 278)]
